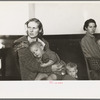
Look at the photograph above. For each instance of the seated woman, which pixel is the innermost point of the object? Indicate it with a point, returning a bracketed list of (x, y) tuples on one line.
[(89, 45), (29, 67)]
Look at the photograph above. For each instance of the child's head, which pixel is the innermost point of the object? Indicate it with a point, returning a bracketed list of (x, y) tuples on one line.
[(72, 69), (37, 49)]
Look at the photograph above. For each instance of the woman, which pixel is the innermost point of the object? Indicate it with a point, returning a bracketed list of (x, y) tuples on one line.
[(29, 67), (90, 47), (88, 42)]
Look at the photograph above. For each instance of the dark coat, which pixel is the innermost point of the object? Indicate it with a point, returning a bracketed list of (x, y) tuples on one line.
[(29, 67)]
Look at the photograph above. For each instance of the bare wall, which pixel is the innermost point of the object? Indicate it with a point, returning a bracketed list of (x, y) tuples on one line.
[(67, 17), (57, 17), (13, 15)]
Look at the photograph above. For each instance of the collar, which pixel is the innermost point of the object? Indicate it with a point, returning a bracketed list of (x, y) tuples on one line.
[(90, 35), (31, 40), (35, 39)]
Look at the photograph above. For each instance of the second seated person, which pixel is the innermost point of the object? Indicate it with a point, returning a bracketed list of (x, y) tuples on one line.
[(89, 45), (91, 49)]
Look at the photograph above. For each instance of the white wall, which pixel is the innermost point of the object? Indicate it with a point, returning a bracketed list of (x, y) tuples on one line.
[(12, 18), (67, 17), (57, 17), (31, 10)]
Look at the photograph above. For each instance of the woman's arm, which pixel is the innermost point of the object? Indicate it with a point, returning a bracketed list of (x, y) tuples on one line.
[(29, 62), (20, 43)]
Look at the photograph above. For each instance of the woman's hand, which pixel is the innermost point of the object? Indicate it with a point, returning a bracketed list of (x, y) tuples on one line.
[(24, 44), (21, 45), (54, 67), (57, 67), (43, 65)]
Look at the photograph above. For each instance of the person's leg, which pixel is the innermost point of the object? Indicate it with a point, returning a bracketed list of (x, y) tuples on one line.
[(41, 76), (52, 77)]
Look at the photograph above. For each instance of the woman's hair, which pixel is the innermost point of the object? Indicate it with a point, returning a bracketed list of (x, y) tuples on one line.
[(86, 24), (39, 25)]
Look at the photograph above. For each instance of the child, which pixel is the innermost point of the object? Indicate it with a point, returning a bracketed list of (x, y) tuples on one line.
[(72, 69), (47, 58)]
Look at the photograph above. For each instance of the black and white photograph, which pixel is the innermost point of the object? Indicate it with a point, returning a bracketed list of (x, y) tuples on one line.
[(67, 33)]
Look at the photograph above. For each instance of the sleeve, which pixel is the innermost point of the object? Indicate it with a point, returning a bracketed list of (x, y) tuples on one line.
[(45, 58), (90, 48), (52, 55), (84, 49)]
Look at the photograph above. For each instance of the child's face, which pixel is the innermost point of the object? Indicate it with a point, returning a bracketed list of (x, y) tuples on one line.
[(37, 51), (72, 71)]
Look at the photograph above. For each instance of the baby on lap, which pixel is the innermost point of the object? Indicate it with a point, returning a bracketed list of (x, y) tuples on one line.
[(46, 59)]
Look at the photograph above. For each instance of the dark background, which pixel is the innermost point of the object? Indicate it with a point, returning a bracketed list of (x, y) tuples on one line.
[(66, 46)]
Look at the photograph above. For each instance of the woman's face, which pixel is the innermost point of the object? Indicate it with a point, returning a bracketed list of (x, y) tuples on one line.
[(91, 28), (32, 29)]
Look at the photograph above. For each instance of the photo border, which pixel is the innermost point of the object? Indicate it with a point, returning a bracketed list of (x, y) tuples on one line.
[(32, 98)]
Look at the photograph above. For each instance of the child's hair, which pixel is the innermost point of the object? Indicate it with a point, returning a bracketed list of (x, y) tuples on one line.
[(71, 65), (35, 44)]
